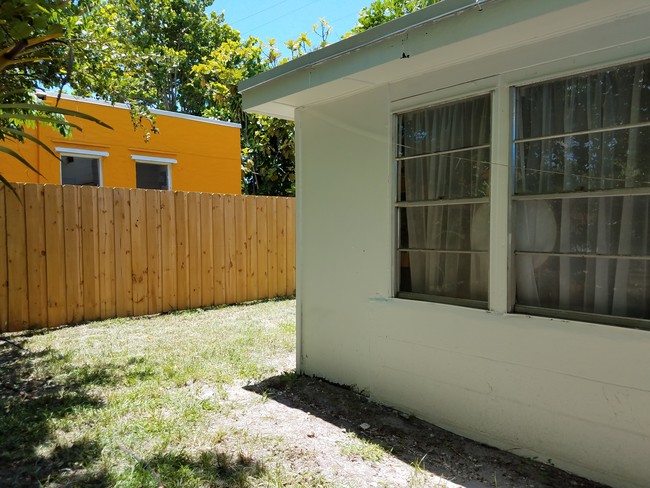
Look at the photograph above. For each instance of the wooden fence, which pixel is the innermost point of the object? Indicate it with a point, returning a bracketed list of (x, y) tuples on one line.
[(70, 254)]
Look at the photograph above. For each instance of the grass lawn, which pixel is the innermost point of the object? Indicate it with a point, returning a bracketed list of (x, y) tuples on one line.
[(127, 402)]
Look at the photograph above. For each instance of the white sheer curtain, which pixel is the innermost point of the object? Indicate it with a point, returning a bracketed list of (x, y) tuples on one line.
[(445, 154), (579, 135)]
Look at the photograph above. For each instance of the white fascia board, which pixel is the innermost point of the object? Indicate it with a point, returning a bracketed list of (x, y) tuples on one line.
[(152, 159), (81, 152)]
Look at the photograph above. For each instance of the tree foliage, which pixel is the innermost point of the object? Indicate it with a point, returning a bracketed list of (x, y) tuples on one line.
[(382, 11)]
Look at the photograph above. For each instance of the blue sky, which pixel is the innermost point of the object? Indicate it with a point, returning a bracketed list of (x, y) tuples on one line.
[(286, 19)]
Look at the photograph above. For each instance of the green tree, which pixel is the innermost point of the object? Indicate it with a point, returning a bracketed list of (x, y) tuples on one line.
[(32, 56), (382, 11)]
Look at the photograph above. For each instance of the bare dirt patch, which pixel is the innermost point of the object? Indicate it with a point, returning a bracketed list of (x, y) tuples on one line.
[(328, 435)]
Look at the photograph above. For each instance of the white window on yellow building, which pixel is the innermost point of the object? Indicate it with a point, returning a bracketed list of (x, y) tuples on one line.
[(152, 172), (81, 166)]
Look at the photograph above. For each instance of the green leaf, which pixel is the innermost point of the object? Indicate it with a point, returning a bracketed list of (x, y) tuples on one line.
[(50, 109), (14, 154)]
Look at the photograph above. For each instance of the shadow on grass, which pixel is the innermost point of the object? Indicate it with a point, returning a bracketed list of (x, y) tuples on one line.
[(413, 441), (30, 398), (40, 389), (209, 468)]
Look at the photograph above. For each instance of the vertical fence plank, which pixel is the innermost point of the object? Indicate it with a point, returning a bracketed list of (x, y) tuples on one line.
[(241, 248), (17, 260), (90, 251), (36, 262), (182, 251), (272, 229), (291, 246), (123, 266), (218, 211), (281, 209), (194, 247), (207, 251), (106, 249), (4, 285), (55, 255), (139, 251), (154, 252), (252, 290), (261, 204), (73, 254), (230, 247), (168, 248)]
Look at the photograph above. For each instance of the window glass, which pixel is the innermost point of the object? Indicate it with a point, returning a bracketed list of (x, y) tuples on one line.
[(582, 193), (76, 170), (152, 176), (443, 167)]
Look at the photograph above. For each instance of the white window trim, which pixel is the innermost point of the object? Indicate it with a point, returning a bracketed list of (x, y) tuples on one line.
[(84, 153), (157, 160), (152, 159)]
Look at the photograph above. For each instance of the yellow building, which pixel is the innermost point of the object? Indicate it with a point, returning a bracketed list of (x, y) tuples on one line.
[(189, 154)]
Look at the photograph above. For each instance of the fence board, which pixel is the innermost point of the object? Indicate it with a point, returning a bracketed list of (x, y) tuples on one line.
[(36, 259), (17, 260), (207, 251), (154, 245), (261, 204), (123, 267), (182, 252), (90, 252), (139, 252), (272, 247), (4, 284), (55, 252), (194, 247), (252, 292), (218, 212), (230, 249), (291, 246), (282, 246), (168, 254), (106, 246), (241, 248), (71, 253)]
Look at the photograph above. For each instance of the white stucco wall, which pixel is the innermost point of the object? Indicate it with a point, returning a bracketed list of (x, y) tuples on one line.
[(576, 394)]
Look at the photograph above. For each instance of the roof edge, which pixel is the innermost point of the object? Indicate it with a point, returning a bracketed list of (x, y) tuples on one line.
[(431, 14)]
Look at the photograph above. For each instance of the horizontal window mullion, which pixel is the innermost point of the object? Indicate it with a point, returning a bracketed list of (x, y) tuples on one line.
[(583, 132), (445, 153), (444, 201), (614, 192), (440, 251), (583, 255)]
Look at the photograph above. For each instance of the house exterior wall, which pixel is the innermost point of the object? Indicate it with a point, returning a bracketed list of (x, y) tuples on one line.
[(207, 153), (572, 393)]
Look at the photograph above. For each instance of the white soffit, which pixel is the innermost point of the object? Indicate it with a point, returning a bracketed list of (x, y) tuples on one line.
[(463, 34), (71, 151), (152, 159)]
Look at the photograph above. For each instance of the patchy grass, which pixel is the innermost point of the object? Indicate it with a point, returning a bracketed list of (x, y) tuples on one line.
[(125, 402), (362, 448)]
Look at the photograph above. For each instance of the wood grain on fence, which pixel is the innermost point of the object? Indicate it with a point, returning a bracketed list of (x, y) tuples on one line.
[(70, 254)]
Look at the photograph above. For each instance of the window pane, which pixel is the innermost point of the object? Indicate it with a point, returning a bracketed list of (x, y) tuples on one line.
[(612, 159), (605, 99), (463, 174), (451, 275), (592, 285), (76, 170), (446, 227), (598, 225), (448, 127), (151, 176)]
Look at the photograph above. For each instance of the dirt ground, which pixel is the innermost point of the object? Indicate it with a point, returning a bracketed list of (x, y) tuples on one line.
[(319, 429)]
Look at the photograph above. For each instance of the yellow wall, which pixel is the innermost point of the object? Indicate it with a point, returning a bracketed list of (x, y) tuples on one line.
[(207, 152)]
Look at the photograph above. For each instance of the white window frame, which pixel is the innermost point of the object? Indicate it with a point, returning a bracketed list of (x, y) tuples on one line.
[(82, 153), (501, 287), (159, 161)]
